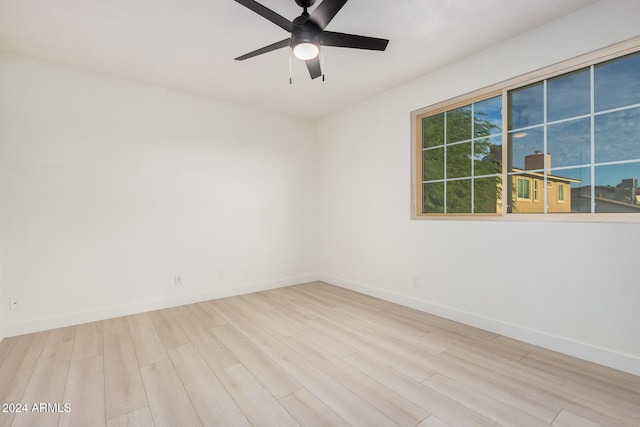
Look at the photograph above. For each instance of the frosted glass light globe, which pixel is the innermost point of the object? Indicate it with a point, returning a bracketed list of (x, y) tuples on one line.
[(306, 51)]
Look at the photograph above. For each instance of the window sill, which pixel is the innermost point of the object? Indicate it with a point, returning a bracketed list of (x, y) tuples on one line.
[(510, 217)]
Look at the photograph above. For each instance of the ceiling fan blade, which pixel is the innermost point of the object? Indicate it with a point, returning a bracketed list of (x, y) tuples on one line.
[(267, 13), (313, 65), (274, 46), (329, 38), (324, 13)]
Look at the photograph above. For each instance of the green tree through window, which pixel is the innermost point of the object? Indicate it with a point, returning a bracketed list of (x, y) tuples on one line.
[(462, 159)]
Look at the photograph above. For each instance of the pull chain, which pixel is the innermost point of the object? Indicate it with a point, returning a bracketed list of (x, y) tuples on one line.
[(322, 62), (290, 78)]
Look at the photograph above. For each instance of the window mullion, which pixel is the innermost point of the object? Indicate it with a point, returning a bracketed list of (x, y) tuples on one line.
[(505, 152), (592, 109), (473, 137), (544, 147), (445, 162)]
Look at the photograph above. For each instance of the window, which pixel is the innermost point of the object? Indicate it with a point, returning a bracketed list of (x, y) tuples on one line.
[(536, 190), (588, 123), (524, 185), (571, 139)]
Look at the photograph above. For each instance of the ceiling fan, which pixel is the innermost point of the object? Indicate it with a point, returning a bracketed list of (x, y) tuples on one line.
[(308, 34)]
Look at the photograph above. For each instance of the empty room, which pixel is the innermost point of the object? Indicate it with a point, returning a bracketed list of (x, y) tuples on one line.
[(330, 213)]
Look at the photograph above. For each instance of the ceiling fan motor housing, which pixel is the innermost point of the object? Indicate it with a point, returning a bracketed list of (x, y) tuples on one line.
[(305, 31), (305, 3)]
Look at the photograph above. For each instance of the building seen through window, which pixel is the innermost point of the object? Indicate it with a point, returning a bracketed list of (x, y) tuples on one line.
[(529, 183)]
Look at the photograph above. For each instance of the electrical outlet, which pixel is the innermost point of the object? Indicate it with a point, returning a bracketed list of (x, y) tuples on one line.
[(245, 271), (221, 274), (177, 279), (15, 303), (414, 283)]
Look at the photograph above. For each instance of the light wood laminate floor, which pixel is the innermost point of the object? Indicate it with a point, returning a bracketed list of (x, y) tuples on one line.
[(313, 355)]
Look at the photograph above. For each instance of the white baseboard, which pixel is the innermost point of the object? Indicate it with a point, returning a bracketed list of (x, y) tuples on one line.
[(602, 356), (76, 318)]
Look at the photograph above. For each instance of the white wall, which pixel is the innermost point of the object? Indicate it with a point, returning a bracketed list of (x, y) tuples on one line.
[(572, 287), (109, 187)]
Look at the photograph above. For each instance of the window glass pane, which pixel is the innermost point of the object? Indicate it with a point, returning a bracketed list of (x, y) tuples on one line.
[(526, 106), (459, 196), (487, 195), (459, 160), (488, 117), (569, 143), (433, 197), (451, 148), (459, 124), (569, 95), (433, 164), (577, 190), (433, 131), (616, 188), (617, 136), (523, 144), (617, 83), (487, 156)]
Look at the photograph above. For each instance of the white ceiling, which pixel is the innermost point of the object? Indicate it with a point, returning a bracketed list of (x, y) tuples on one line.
[(189, 45)]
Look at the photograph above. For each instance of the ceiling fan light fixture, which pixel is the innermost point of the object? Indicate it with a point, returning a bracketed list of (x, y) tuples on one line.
[(306, 50)]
